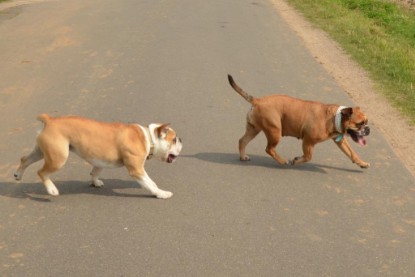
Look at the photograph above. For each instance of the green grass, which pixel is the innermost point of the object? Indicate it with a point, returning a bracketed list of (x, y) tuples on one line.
[(379, 35)]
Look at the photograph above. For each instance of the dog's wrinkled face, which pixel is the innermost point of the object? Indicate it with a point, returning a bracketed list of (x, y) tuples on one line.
[(355, 124), (167, 145)]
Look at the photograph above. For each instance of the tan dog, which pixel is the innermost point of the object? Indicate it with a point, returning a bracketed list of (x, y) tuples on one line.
[(102, 145), (313, 122)]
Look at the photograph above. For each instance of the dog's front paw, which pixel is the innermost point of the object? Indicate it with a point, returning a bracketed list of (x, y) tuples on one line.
[(162, 194), (97, 183), (364, 165), (245, 158)]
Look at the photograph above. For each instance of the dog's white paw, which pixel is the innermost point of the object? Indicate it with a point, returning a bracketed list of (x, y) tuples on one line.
[(97, 183), (245, 158), (52, 190), (162, 194)]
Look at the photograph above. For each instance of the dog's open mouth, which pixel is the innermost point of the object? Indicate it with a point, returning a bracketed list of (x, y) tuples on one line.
[(358, 136), (171, 158)]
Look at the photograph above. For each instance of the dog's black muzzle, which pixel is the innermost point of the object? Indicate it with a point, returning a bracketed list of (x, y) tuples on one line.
[(362, 132), (365, 131)]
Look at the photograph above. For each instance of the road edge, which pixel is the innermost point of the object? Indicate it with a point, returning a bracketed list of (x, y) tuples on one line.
[(12, 4)]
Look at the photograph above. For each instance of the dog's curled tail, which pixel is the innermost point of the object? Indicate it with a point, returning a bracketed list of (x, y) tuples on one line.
[(241, 92), (45, 118)]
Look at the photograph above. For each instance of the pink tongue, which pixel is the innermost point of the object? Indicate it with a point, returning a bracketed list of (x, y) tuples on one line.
[(362, 141)]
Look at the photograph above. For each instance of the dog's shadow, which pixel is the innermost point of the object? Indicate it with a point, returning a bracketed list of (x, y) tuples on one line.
[(264, 161), (37, 192)]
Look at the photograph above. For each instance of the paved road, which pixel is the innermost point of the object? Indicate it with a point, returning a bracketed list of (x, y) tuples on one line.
[(167, 61)]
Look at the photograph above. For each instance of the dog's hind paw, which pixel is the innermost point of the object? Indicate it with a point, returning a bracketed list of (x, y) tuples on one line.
[(297, 160), (17, 176), (52, 191)]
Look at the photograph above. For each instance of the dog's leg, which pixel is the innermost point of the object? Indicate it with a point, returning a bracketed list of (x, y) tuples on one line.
[(55, 156), (26, 161), (346, 149), (94, 175), (307, 153), (44, 174), (273, 137), (249, 135), (146, 182), (133, 165)]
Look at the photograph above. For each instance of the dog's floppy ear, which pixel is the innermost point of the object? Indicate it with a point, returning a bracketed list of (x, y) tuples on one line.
[(347, 112), (162, 130)]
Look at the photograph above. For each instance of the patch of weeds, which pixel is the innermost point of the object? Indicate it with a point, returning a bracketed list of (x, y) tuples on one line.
[(378, 34)]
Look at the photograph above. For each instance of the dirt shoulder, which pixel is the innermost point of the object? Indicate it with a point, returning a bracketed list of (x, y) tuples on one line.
[(10, 4), (410, 4), (356, 82)]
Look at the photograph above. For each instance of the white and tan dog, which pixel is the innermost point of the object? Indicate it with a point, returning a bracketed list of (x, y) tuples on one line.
[(102, 145)]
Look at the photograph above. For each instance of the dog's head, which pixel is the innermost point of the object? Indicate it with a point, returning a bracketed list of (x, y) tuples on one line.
[(167, 145), (355, 123)]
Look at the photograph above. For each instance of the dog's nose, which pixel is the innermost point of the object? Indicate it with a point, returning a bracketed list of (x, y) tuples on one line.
[(366, 131)]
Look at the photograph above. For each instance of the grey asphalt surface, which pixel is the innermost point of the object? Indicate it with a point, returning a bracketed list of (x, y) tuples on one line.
[(167, 61)]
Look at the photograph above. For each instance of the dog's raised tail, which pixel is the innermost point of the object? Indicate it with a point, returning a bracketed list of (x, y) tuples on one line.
[(44, 118), (241, 92)]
